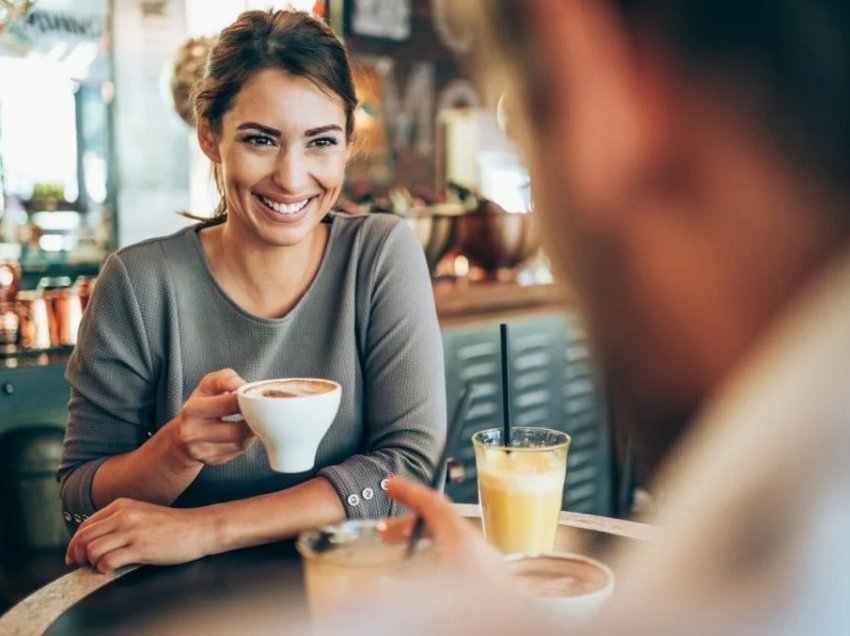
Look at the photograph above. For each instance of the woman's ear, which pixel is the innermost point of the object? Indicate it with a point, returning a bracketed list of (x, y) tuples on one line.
[(208, 141)]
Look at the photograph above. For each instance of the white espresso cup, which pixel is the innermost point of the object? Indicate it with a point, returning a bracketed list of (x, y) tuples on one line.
[(290, 416), (564, 586)]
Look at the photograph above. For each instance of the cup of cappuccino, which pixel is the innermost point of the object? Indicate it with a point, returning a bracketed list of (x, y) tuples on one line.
[(290, 417), (566, 586)]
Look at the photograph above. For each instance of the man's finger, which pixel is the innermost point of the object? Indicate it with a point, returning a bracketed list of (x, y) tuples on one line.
[(440, 518)]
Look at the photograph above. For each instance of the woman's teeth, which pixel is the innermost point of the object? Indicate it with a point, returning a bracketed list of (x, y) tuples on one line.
[(284, 208)]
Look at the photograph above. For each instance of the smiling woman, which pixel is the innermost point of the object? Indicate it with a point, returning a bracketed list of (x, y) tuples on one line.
[(282, 149), (274, 286)]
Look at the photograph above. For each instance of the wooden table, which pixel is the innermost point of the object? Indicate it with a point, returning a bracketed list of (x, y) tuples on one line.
[(139, 600)]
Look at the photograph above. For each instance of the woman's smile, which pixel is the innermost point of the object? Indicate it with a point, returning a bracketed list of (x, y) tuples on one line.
[(285, 212)]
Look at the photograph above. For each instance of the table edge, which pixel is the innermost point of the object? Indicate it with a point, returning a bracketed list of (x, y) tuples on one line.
[(37, 612)]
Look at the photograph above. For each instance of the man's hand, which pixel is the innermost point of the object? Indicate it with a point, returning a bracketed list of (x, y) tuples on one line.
[(456, 538)]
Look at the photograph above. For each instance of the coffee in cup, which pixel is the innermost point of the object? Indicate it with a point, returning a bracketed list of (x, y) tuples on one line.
[(290, 388), (569, 586), (290, 416)]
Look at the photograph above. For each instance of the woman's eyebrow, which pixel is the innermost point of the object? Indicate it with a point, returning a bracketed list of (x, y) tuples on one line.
[(272, 132), (312, 132)]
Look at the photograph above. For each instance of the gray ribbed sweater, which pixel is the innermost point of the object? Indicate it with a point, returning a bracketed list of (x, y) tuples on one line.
[(158, 322)]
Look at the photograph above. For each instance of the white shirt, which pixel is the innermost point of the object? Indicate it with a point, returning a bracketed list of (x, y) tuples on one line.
[(757, 535)]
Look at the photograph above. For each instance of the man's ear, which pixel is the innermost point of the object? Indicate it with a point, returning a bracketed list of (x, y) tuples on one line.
[(208, 140)]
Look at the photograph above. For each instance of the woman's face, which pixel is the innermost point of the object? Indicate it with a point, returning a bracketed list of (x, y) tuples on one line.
[(282, 153)]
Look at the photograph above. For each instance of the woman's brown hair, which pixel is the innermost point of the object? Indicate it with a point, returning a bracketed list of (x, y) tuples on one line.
[(292, 41)]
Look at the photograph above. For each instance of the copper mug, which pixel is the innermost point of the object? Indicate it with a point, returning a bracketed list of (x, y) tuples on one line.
[(34, 320), (49, 318), (65, 313)]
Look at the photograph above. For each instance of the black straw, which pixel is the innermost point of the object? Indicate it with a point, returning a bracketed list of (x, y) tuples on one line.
[(506, 385), (452, 434)]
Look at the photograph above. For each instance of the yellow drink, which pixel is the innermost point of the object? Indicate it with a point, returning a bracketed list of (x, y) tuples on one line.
[(521, 489)]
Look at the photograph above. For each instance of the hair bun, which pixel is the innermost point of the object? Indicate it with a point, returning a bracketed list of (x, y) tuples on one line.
[(187, 70)]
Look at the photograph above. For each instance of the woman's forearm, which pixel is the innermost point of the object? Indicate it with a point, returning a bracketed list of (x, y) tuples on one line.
[(272, 517), (157, 472)]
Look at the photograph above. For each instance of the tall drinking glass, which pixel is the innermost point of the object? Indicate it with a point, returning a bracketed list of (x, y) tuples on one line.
[(521, 487)]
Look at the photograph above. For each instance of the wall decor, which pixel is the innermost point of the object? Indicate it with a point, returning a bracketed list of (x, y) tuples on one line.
[(387, 19)]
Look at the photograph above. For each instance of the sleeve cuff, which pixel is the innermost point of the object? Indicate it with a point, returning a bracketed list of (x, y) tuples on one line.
[(77, 504), (361, 486)]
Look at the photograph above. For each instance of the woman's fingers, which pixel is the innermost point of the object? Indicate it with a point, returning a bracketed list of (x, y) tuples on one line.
[(103, 545), (218, 382), (90, 530), (214, 454), (139, 532), (212, 407), (205, 430), (117, 558), (218, 433)]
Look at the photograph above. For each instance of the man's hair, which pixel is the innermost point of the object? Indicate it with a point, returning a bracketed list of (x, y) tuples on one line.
[(787, 61)]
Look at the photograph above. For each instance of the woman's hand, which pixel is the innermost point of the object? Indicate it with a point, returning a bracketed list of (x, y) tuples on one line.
[(198, 431), (134, 532)]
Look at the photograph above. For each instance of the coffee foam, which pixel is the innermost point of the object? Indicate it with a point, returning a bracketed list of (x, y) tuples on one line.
[(290, 388), (522, 472), (557, 578)]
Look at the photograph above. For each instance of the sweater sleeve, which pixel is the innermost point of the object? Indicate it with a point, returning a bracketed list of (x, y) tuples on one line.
[(112, 388), (404, 388)]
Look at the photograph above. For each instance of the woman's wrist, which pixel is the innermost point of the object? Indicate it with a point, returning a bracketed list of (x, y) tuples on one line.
[(217, 535), (156, 472), (172, 450)]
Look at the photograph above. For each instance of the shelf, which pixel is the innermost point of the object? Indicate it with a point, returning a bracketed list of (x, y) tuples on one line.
[(463, 301), (12, 357)]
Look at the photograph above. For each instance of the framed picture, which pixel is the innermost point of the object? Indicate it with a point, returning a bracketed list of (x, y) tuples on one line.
[(385, 19)]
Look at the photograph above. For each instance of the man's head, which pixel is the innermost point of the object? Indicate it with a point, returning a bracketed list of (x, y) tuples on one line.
[(690, 161)]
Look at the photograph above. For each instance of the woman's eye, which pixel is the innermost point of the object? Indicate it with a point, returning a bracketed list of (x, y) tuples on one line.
[(322, 142), (259, 140)]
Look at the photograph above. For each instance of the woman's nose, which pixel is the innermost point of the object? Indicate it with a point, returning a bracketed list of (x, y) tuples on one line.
[(290, 172)]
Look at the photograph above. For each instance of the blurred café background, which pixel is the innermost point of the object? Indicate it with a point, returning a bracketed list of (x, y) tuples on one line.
[(97, 151)]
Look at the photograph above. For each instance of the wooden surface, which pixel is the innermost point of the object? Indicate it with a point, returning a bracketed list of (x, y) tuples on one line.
[(461, 301), (607, 525), (40, 612)]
